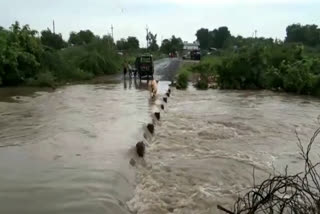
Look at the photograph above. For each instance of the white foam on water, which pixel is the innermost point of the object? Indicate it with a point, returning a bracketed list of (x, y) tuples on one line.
[(208, 145)]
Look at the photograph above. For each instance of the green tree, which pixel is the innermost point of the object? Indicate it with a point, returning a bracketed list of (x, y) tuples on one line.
[(307, 34), (203, 38), (218, 37), (107, 39), (24, 59), (294, 33), (172, 45), (122, 44), (74, 39), (132, 43), (166, 46), (52, 40), (152, 39), (177, 43), (20, 53), (81, 38)]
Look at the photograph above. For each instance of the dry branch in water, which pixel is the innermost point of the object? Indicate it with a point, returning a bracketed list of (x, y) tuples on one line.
[(297, 194)]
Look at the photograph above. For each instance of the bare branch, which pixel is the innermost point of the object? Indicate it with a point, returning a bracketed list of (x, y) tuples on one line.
[(284, 193)]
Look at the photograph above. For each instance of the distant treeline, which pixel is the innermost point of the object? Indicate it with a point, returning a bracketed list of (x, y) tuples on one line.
[(221, 37), (28, 57), (292, 65), (45, 59)]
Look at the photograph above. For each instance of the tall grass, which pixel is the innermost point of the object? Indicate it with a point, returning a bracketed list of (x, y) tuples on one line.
[(183, 76), (77, 63)]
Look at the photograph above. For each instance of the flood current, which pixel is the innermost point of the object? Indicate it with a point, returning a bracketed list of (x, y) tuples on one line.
[(69, 150)]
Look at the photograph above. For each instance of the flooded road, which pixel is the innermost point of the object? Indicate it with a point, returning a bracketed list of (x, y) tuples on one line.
[(208, 143), (68, 151)]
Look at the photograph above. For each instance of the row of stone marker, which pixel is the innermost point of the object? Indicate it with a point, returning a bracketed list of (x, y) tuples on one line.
[(140, 146)]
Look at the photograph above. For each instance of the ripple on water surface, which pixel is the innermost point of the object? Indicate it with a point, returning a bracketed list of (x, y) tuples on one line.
[(66, 151), (208, 143)]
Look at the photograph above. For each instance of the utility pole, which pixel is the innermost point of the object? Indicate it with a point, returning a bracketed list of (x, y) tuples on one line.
[(112, 32), (255, 33), (147, 29), (54, 27)]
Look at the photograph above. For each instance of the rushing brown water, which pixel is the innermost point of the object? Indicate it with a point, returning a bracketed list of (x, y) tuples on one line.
[(68, 151), (208, 143)]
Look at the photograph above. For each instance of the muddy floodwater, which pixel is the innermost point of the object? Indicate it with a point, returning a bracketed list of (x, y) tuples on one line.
[(208, 143), (68, 150)]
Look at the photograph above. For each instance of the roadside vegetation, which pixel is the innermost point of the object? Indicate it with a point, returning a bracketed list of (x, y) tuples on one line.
[(183, 77), (232, 62), (45, 59), (28, 57)]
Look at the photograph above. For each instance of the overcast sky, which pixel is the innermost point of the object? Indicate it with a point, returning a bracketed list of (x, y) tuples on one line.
[(164, 17)]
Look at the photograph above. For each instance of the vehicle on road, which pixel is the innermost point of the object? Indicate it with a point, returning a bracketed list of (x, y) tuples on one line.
[(195, 55), (192, 55), (144, 66)]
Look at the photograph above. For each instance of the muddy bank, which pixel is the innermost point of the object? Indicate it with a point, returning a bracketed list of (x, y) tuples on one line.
[(208, 142)]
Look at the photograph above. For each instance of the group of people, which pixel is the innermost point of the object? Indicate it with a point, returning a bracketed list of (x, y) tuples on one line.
[(127, 68), (153, 84)]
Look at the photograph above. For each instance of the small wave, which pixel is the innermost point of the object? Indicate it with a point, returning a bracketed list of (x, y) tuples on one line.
[(206, 149)]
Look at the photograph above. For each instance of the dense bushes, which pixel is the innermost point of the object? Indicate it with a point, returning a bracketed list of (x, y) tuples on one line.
[(43, 79), (98, 57), (205, 70), (20, 52), (27, 59), (292, 65), (276, 67), (183, 78), (300, 77), (286, 67), (52, 40), (243, 70)]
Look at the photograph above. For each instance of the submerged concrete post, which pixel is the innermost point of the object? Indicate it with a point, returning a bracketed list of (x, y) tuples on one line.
[(157, 115), (140, 147), (150, 128)]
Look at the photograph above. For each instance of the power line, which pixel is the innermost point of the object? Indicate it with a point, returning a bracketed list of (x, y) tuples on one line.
[(147, 29), (112, 31), (54, 27)]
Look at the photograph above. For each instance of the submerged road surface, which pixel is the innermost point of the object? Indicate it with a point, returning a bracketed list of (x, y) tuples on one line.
[(68, 151), (208, 143)]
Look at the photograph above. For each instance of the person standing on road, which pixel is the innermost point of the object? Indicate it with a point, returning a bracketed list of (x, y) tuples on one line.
[(137, 64), (125, 68)]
